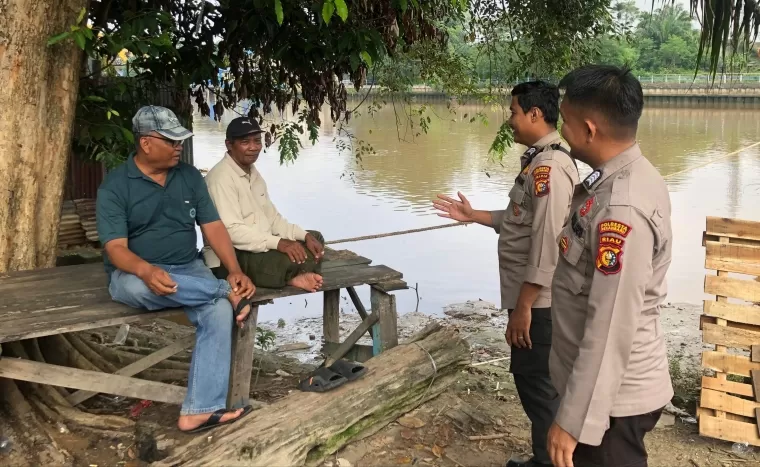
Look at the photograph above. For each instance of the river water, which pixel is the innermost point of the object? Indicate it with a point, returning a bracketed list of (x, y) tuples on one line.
[(331, 192)]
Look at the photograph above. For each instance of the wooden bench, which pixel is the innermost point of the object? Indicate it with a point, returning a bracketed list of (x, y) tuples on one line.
[(60, 300)]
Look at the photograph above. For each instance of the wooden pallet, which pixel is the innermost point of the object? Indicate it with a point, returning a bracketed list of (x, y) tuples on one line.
[(729, 405)]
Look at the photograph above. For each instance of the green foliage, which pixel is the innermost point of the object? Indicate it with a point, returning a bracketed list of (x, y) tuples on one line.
[(282, 55), (265, 338), (664, 40)]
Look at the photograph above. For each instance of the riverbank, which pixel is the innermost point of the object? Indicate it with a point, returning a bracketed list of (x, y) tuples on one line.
[(478, 421)]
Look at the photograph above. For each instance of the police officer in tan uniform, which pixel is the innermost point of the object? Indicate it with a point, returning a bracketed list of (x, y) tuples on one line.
[(608, 357), (528, 252)]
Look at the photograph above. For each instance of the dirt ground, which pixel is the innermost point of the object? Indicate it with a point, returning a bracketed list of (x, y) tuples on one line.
[(444, 432)]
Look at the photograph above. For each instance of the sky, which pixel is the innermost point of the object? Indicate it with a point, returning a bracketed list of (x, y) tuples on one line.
[(647, 4)]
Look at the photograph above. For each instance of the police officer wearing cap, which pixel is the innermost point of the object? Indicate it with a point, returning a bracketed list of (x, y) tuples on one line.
[(608, 356), (528, 251)]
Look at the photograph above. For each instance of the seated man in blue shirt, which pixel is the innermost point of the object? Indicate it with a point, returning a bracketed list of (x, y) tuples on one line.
[(147, 209)]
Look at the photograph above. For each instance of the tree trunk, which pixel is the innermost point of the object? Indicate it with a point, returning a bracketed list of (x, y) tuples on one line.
[(304, 427), (38, 94)]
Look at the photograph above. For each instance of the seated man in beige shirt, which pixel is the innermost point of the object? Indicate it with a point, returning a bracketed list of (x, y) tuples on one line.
[(270, 250)]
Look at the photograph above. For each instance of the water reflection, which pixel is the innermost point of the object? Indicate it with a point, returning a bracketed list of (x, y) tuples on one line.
[(391, 191)]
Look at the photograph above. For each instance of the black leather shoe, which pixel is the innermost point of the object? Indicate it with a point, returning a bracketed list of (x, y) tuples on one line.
[(525, 463)]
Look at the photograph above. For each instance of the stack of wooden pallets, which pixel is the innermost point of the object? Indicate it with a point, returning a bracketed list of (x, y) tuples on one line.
[(730, 400)]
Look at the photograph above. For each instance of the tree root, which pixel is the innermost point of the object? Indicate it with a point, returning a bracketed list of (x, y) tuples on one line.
[(121, 358), (104, 365), (33, 347), (19, 423)]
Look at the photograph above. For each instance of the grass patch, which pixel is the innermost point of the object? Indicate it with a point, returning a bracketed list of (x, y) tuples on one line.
[(687, 381)]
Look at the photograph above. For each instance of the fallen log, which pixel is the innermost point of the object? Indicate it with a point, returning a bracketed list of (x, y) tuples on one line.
[(304, 427)]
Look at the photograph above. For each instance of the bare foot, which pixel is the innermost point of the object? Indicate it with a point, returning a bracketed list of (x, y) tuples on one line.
[(191, 422), (234, 300), (308, 281)]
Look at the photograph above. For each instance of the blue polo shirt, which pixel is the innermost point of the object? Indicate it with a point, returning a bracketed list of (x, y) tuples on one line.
[(157, 221)]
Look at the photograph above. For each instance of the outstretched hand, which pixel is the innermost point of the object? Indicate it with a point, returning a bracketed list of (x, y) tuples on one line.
[(459, 210)]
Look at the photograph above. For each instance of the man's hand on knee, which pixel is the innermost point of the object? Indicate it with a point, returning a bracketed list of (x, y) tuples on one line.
[(293, 249), (158, 281), (315, 247)]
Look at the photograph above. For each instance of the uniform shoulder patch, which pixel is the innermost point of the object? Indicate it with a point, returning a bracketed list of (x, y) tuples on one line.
[(616, 227), (541, 180), (610, 251), (564, 244)]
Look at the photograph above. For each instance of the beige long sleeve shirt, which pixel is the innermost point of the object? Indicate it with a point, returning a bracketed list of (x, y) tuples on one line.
[(528, 229), (608, 356), (243, 203)]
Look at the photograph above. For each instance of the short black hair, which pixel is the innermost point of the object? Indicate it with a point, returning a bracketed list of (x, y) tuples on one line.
[(539, 94), (612, 91)]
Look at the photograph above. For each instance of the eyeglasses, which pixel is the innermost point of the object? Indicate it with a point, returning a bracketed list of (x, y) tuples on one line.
[(173, 143)]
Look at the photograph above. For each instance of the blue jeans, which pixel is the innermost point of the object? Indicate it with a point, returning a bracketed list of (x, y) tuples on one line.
[(204, 299)]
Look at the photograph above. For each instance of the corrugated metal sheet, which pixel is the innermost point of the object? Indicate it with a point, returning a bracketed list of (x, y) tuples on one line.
[(83, 178)]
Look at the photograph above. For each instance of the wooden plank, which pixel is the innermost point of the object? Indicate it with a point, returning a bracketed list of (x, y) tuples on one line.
[(729, 430), (748, 314), (731, 287), (357, 353), (391, 286), (138, 366), (721, 401), (729, 336), (755, 354), (243, 341), (727, 363), (331, 316), (336, 279), (755, 375), (731, 387), (358, 305), (735, 228), (704, 319), (343, 263), (9, 333), (384, 306), (352, 339), (757, 419), (44, 373), (744, 259)]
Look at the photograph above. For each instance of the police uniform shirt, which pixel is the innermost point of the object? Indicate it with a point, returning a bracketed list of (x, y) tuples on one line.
[(528, 228), (608, 355)]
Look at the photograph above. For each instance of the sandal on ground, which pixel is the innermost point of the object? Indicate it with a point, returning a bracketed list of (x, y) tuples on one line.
[(213, 420), (322, 380), (349, 370), (244, 302)]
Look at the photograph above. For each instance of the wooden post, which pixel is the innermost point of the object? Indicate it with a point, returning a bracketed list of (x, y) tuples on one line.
[(243, 341), (721, 322), (384, 306), (331, 316), (358, 304)]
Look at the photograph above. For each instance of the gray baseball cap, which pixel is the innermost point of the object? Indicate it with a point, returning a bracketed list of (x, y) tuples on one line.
[(161, 120)]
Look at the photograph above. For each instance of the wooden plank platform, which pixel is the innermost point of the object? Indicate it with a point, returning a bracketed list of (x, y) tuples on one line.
[(729, 408), (75, 298)]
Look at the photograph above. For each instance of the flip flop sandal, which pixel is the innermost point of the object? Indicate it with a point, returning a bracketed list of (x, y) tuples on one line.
[(213, 420), (240, 307), (349, 370), (322, 380)]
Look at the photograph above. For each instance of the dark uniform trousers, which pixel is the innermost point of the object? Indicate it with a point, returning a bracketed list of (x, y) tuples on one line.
[(622, 444), (530, 368), (273, 269)]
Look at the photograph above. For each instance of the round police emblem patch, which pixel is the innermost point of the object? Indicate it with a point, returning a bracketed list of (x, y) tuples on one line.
[(192, 213)]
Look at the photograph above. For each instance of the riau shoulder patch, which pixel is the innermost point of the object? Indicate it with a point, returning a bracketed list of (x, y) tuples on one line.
[(610, 252), (541, 180)]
